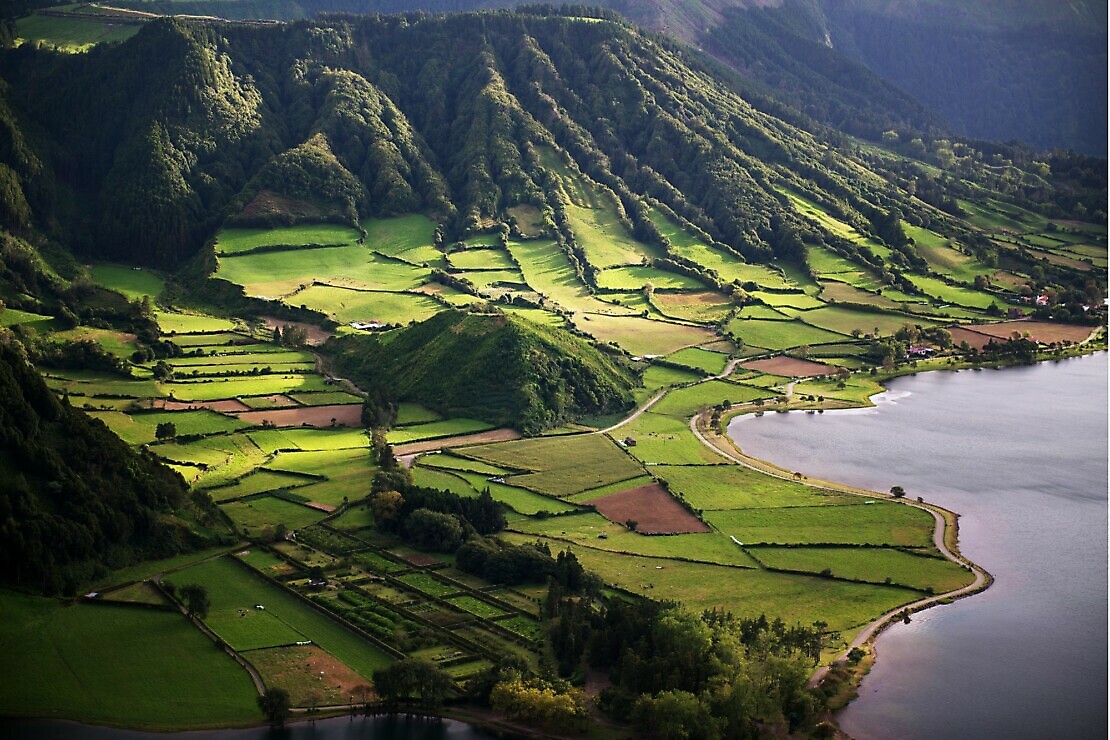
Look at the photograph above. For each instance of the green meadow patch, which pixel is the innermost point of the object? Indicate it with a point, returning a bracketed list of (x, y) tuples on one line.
[(875, 565), (172, 322), (790, 300), (132, 282), (661, 439), (481, 259), (710, 362), (640, 336), (779, 335), (881, 523), (724, 487), (435, 430), (236, 241), (637, 277), (117, 665), (348, 304), (959, 295), (560, 466), (683, 403), (844, 320)]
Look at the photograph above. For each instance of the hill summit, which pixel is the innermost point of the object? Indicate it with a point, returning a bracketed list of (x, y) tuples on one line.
[(495, 367)]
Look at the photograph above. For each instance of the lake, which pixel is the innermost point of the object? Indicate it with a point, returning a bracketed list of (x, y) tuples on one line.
[(1021, 455)]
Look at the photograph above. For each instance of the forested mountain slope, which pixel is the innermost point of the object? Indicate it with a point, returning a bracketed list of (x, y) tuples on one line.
[(142, 149)]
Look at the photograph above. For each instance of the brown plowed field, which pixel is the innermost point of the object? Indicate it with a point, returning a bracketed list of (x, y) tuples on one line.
[(225, 406), (789, 367), (974, 339), (348, 415), (1045, 332), (655, 511), (466, 440), (316, 335)]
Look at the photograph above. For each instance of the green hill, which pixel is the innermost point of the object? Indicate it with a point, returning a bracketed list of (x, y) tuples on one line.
[(495, 367), (75, 499)]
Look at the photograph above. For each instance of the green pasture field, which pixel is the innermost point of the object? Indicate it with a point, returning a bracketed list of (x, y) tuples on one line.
[(230, 586), (640, 336), (229, 341), (139, 428), (953, 293), (265, 561), (71, 34), (132, 282), (428, 584), (451, 462), (621, 485), (992, 215), (481, 259), (37, 321), (435, 430), (477, 607), (702, 359), (484, 280), (328, 439), (272, 440), (834, 291), (518, 499), (173, 322), (683, 403), (137, 593), (410, 237), (354, 518), (721, 487), (560, 466), (746, 592), (330, 463), (857, 389), (228, 370), (346, 305), (259, 481), (91, 384), (594, 531), (192, 453), (603, 237), (274, 274), (637, 277), (150, 568), (843, 320), (661, 376), (234, 241), (262, 385), (824, 261), (703, 307), (442, 481), (258, 514), (882, 523), (790, 300), (325, 398), (548, 271), (414, 413), (729, 267), (261, 403), (832, 224), (117, 665), (761, 312), (249, 359), (665, 439), (250, 629), (779, 335), (945, 258), (537, 316), (869, 564), (120, 344)]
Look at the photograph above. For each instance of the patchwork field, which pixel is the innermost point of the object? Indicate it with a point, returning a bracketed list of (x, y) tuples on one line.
[(653, 510)]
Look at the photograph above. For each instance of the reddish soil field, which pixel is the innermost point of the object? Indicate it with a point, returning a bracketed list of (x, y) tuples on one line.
[(308, 671), (789, 367), (348, 415), (974, 339), (227, 405), (655, 511), (1045, 332), (316, 335), (417, 558), (319, 506)]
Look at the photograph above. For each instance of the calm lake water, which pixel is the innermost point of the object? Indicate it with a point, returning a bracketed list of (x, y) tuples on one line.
[(385, 727), (1021, 454)]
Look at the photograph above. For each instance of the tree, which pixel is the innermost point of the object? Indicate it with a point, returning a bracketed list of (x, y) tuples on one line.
[(673, 715), (433, 530), (414, 680), (386, 506), (897, 491), (165, 430), (275, 704), (196, 600)]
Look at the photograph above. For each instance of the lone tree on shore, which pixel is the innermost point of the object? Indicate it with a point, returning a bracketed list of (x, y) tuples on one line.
[(897, 491), (275, 705)]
